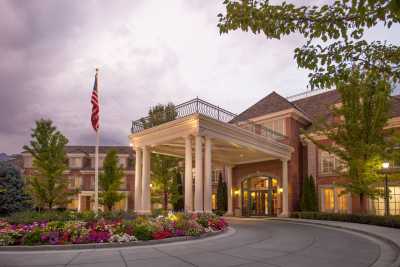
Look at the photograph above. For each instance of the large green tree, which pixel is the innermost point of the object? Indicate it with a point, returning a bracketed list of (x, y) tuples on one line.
[(13, 197), (164, 169), (47, 186), (110, 181), (333, 32), (356, 130)]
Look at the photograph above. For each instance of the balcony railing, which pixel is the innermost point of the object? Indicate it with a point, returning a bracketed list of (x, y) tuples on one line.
[(215, 112)]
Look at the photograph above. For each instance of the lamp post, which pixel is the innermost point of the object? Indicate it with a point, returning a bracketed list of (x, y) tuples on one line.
[(385, 166)]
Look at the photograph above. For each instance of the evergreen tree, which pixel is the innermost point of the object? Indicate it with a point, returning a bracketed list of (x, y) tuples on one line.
[(12, 195), (110, 181), (308, 200), (222, 204), (357, 132), (333, 33), (177, 196), (47, 186)]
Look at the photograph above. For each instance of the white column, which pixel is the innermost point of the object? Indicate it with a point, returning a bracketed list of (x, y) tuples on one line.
[(198, 182), (146, 198), (285, 187), (188, 175), (207, 174), (228, 173), (138, 179)]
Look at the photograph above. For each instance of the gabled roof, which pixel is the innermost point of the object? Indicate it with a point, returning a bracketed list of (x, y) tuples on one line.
[(273, 102), (314, 107), (317, 106)]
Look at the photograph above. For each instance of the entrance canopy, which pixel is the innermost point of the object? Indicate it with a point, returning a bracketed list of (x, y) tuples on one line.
[(238, 143), (206, 130)]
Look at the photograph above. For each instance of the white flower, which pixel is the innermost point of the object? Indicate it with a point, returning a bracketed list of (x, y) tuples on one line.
[(122, 238)]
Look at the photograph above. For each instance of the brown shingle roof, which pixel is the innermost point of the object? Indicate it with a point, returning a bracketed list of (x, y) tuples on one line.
[(273, 102), (314, 107)]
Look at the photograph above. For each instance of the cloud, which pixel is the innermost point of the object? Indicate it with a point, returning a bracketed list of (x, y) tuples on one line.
[(148, 52)]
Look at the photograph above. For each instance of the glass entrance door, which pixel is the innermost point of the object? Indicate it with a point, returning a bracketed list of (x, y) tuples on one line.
[(259, 197)]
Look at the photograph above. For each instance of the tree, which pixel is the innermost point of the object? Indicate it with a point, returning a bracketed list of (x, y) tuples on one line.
[(222, 201), (47, 186), (110, 181), (160, 114), (357, 132), (164, 168), (12, 195), (164, 172), (334, 34), (309, 199)]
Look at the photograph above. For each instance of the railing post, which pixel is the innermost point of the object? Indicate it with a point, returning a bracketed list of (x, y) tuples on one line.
[(197, 104), (218, 112)]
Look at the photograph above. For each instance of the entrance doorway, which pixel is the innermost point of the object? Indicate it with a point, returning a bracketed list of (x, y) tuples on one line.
[(259, 196)]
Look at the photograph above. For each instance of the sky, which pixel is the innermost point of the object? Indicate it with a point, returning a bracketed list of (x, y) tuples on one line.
[(148, 52)]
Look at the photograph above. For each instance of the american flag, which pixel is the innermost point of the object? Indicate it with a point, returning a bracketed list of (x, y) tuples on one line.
[(95, 106)]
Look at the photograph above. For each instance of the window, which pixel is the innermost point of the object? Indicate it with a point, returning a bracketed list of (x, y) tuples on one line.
[(342, 200), (73, 205), (334, 199), (93, 161), (75, 182), (378, 204), (75, 162), (122, 162), (328, 199), (277, 125), (123, 183), (327, 161)]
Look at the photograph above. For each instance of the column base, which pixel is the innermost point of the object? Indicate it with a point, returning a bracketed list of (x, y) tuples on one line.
[(283, 215), (228, 213)]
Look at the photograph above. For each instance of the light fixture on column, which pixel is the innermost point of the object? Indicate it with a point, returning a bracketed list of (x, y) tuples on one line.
[(280, 189)]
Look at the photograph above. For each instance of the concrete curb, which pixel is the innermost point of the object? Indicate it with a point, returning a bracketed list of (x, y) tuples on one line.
[(111, 245), (387, 240)]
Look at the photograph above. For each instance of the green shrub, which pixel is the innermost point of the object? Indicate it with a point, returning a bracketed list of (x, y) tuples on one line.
[(143, 231), (389, 221)]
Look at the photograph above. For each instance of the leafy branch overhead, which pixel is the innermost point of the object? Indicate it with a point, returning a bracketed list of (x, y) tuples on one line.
[(333, 32)]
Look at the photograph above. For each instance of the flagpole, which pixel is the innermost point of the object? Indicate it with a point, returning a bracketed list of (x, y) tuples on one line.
[(96, 175)]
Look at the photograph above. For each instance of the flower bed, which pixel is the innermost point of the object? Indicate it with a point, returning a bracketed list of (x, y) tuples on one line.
[(108, 231)]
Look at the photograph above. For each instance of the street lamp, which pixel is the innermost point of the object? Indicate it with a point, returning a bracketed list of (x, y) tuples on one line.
[(385, 166)]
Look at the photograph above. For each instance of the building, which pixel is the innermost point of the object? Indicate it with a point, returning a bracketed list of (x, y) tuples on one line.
[(81, 173), (261, 153)]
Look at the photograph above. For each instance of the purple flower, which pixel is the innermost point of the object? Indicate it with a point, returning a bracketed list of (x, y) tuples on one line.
[(179, 232), (53, 238)]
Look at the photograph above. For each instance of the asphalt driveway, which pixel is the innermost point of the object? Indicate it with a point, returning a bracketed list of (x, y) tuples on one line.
[(253, 243)]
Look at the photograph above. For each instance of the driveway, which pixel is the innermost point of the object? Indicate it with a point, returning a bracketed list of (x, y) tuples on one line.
[(253, 243)]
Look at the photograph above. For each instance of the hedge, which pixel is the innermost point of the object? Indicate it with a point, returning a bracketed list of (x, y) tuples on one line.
[(388, 221)]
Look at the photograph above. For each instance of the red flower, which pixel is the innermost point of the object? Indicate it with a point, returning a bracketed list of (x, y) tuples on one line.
[(162, 234)]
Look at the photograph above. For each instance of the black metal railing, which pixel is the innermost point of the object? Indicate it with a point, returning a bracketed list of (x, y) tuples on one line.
[(200, 106)]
